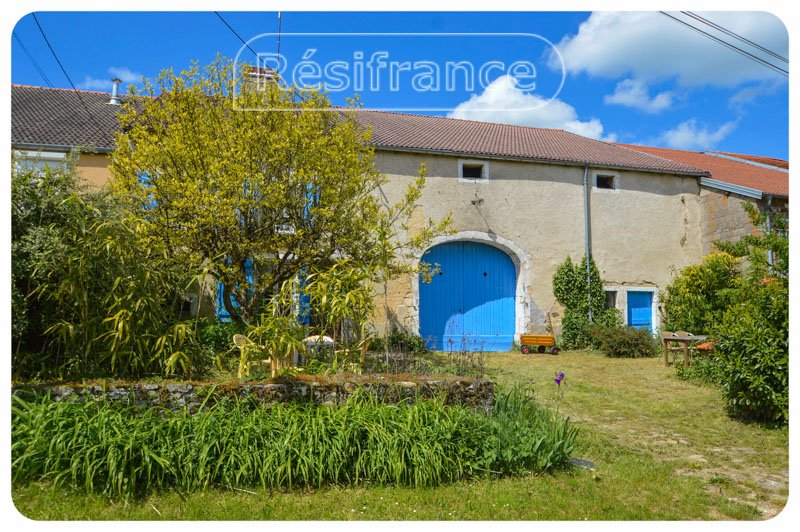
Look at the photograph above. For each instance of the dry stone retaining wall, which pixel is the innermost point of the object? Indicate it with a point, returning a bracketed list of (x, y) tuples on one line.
[(467, 392)]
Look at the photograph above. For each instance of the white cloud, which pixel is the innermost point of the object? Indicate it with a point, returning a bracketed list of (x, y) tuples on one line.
[(749, 94), (648, 46), (127, 76), (689, 135), (635, 93), (502, 102)]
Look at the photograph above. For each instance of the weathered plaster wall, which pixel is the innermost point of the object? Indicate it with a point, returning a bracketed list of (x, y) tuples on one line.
[(93, 168), (648, 224)]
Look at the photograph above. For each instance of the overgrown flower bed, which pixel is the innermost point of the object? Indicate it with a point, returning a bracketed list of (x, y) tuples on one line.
[(100, 446)]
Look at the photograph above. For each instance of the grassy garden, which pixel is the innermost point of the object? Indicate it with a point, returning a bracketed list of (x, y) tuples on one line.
[(100, 285), (662, 447)]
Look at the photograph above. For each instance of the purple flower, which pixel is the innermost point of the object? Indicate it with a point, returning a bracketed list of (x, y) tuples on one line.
[(559, 378)]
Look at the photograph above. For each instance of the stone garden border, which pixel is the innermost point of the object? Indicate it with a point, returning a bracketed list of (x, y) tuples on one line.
[(477, 393)]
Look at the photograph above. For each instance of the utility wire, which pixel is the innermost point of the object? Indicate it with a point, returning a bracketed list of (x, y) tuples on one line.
[(258, 58), (33, 60), (729, 45), (734, 35), (99, 129), (278, 59)]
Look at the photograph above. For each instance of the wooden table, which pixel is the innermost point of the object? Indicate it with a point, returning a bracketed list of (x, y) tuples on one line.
[(686, 341)]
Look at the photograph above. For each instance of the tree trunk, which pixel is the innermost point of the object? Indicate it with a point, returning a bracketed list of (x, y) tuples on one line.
[(234, 312), (386, 317)]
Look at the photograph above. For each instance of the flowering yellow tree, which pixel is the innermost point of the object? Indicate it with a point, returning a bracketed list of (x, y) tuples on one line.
[(256, 197)]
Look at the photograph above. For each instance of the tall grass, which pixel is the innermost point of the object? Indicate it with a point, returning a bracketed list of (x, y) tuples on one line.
[(99, 446)]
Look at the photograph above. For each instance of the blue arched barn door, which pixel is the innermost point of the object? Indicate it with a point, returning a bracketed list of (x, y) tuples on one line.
[(469, 304)]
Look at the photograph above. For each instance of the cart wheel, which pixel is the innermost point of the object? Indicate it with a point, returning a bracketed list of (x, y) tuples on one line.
[(554, 351), (542, 349), (525, 349)]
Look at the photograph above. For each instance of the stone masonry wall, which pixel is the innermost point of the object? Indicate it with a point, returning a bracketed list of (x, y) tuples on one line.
[(462, 391), (723, 219)]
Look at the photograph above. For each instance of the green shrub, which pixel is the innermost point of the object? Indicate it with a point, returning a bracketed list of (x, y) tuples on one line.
[(704, 370), (746, 315), (752, 345), (571, 289), (625, 342), (218, 335), (400, 341), (92, 298), (525, 436), (102, 447), (699, 294)]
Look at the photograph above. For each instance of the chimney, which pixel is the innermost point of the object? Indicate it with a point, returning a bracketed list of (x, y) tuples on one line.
[(260, 77), (115, 91)]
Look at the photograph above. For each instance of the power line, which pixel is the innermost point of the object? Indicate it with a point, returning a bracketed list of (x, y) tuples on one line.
[(729, 45), (33, 60), (734, 35), (258, 57), (278, 59), (99, 129)]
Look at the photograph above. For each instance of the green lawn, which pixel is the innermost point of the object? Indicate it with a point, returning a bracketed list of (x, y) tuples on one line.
[(663, 449)]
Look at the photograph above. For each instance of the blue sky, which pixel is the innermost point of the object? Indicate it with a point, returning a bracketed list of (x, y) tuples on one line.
[(630, 77)]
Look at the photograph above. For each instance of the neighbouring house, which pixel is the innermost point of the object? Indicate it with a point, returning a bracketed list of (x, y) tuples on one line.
[(522, 199), (46, 124)]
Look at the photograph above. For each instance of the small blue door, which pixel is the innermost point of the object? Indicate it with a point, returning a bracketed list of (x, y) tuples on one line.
[(640, 310), (469, 304)]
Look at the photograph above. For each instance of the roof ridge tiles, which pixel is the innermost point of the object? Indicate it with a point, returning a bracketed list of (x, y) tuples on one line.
[(58, 89), (82, 91), (458, 119)]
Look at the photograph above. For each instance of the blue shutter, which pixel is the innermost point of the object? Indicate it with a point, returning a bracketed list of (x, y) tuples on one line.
[(640, 310)]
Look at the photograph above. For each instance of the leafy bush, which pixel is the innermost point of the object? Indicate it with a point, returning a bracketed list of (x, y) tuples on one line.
[(92, 299), (99, 446), (747, 316), (704, 370), (218, 335), (752, 345), (625, 342), (526, 436), (571, 288), (700, 293), (400, 341)]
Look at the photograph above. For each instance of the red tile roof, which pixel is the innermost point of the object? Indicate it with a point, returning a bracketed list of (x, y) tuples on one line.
[(57, 117), (766, 180), (468, 137), (770, 161)]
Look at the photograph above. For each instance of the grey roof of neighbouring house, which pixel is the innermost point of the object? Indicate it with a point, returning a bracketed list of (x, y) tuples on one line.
[(57, 117)]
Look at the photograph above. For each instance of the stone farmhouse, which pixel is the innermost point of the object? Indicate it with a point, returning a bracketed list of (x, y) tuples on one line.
[(522, 198)]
